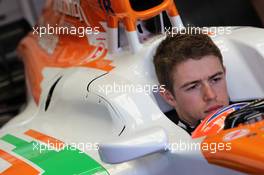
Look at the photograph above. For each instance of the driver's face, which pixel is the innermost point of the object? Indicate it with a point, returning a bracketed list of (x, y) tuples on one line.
[(199, 88)]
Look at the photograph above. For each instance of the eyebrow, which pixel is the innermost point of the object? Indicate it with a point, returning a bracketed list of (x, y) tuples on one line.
[(216, 74), (198, 81)]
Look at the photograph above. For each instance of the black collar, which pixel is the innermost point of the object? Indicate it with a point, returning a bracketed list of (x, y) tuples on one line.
[(173, 116)]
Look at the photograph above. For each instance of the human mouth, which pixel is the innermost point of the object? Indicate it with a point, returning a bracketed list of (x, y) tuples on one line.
[(213, 109)]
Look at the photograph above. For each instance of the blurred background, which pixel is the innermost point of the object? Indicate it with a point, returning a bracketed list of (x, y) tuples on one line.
[(18, 16)]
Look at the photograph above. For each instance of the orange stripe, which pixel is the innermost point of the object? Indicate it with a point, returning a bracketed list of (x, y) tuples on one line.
[(17, 166), (51, 141)]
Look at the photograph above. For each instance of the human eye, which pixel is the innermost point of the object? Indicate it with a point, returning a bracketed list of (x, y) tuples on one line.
[(216, 79), (192, 87)]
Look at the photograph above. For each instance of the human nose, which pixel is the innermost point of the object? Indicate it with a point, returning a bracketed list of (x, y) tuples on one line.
[(208, 92)]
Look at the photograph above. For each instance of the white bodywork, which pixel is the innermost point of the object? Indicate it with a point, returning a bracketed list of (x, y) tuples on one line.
[(80, 110)]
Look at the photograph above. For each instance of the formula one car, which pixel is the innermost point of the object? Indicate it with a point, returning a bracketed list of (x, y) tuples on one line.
[(93, 106)]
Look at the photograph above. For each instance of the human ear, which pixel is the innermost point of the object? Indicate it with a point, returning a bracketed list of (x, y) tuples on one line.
[(168, 97)]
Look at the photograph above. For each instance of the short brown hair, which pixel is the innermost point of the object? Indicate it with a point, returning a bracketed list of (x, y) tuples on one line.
[(179, 48)]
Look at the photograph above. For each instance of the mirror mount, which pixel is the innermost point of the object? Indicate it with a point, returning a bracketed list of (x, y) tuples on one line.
[(130, 147)]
